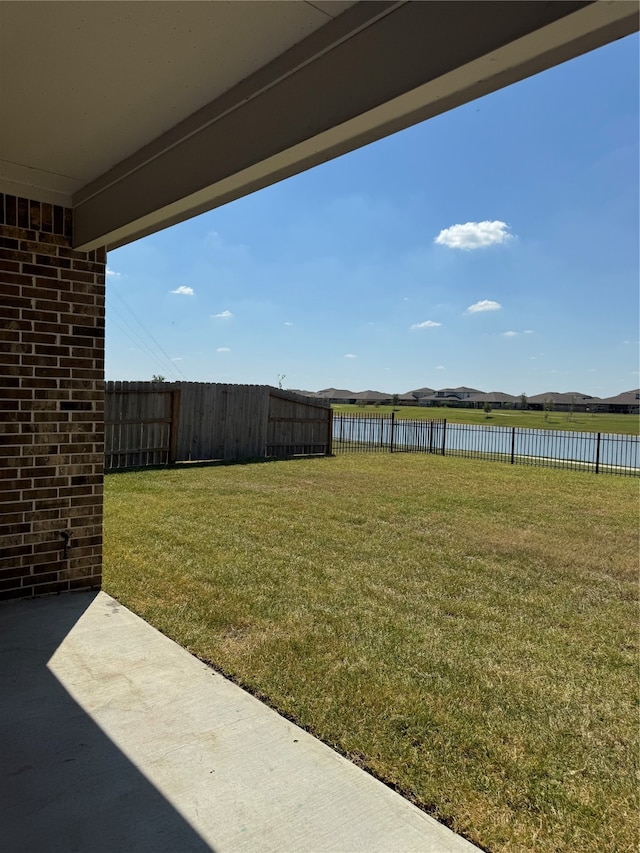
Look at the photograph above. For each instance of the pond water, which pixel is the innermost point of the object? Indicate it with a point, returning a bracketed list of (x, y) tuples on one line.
[(611, 451)]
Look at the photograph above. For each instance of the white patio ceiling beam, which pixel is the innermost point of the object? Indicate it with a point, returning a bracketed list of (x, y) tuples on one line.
[(375, 69)]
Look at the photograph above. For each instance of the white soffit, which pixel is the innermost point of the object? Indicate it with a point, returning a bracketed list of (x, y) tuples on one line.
[(84, 85), (142, 114)]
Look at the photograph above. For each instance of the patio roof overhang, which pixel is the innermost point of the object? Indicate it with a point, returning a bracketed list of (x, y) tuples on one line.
[(139, 115)]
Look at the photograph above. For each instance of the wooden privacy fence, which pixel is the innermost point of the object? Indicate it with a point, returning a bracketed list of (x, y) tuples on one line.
[(159, 423), (140, 424)]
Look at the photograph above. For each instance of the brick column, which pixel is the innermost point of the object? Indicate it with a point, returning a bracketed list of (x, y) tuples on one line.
[(51, 401)]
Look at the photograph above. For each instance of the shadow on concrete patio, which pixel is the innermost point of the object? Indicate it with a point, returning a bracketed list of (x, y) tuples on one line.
[(65, 784)]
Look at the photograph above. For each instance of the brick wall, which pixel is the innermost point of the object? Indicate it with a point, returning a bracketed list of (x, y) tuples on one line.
[(51, 401)]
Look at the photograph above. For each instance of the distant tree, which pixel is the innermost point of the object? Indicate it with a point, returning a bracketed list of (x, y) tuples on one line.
[(572, 408), (524, 403), (487, 409), (395, 402), (547, 406), (157, 377)]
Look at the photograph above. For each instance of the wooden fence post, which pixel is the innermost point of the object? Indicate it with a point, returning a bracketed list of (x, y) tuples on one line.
[(173, 427)]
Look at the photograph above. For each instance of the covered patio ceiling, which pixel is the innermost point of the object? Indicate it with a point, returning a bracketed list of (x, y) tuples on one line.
[(139, 115)]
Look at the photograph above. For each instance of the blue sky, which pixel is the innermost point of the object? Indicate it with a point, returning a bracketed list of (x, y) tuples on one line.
[(495, 246)]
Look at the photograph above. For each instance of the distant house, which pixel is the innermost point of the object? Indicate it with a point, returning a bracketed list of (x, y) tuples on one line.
[(496, 399), (471, 398), (627, 403), (460, 397), (407, 400), (370, 398), (421, 393), (567, 401), (337, 395)]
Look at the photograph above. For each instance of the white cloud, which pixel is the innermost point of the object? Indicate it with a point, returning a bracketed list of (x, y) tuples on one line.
[(510, 334), (483, 305), (183, 291), (288, 324), (223, 349), (474, 235), (528, 332), (113, 272), (427, 324), (223, 315), (179, 358), (440, 367), (350, 355)]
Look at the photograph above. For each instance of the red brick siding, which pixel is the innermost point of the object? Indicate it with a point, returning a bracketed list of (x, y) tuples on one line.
[(51, 403)]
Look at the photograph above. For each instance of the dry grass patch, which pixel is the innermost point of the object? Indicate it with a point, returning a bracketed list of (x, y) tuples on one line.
[(466, 631)]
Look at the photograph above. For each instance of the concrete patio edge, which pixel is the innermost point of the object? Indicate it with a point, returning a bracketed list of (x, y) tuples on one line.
[(118, 739)]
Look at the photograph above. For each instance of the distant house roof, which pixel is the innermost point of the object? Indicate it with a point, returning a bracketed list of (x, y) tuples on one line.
[(627, 398), (562, 397), (494, 397), (336, 393), (372, 395), (454, 393)]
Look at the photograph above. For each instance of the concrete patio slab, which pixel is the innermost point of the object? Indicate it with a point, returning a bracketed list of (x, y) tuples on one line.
[(113, 738)]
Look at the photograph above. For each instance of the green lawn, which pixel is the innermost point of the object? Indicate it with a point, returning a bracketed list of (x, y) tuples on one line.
[(466, 631), (626, 424)]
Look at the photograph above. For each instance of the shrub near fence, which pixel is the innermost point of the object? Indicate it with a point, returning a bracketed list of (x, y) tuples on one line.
[(602, 453)]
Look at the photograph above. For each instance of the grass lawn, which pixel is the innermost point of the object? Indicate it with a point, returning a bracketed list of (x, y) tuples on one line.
[(467, 631), (578, 421)]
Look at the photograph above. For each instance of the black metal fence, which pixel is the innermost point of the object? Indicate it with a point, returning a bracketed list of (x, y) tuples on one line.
[(600, 453)]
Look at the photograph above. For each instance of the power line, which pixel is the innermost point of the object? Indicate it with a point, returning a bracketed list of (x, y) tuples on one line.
[(146, 331), (135, 338), (145, 351)]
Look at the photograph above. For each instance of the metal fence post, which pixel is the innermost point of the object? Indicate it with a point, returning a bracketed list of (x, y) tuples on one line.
[(598, 453), (393, 425), (513, 442), (444, 434)]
